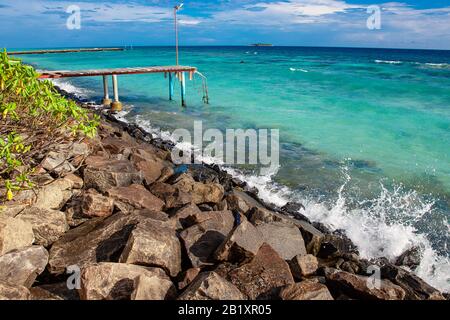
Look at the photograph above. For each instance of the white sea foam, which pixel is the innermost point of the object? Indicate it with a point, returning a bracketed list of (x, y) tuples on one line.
[(438, 65), (389, 61), (298, 70), (69, 87)]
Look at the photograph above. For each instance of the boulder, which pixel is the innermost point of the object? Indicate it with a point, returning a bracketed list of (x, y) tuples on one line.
[(74, 215), (55, 195), (54, 291), (411, 258), (11, 211), (133, 197), (96, 205), (333, 245), (415, 288), (261, 277), (104, 174), (283, 238), (117, 281), (152, 289), (14, 234), (77, 182), (242, 202), (57, 162), (48, 225), (293, 209), (207, 233), (150, 244), (241, 245), (172, 197), (183, 214), (200, 192), (148, 164), (97, 240), (361, 287), (188, 277), (8, 292), (211, 286), (306, 290), (304, 266), (21, 267)]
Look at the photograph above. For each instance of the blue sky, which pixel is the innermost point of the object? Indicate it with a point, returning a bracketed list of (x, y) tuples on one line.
[(404, 23)]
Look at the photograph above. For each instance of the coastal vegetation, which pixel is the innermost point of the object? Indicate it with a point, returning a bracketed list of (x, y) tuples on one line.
[(33, 116)]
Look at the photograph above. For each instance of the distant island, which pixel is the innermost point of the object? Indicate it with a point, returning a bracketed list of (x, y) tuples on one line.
[(262, 45)]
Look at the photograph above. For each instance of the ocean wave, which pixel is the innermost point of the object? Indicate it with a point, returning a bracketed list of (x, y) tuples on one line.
[(70, 88), (296, 70), (438, 65), (388, 61)]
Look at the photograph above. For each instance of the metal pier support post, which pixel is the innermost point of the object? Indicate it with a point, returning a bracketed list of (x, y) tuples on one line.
[(183, 89), (106, 100), (171, 85), (116, 106)]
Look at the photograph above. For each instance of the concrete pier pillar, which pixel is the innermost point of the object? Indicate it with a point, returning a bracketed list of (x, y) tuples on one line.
[(171, 85), (106, 100), (116, 105), (183, 89)]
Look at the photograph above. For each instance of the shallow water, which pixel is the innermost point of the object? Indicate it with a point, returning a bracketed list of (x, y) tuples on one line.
[(365, 134)]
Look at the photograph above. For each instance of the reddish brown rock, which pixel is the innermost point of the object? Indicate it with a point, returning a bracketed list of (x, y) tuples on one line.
[(103, 174), (152, 288), (200, 192), (149, 164), (242, 202), (151, 244), (188, 277), (242, 244), (211, 286), (54, 291), (306, 290), (14, 234), (304, 266), (8, 292), (172, 197), (360, 287), (182, 216), (260, 278), (117, 281), (202, 239), (96, 205), (128, 199)]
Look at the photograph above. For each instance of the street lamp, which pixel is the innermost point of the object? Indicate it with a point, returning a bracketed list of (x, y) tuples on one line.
[(175, 10)]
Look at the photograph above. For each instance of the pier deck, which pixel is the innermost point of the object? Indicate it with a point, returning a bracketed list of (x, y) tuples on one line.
[(119, 71)]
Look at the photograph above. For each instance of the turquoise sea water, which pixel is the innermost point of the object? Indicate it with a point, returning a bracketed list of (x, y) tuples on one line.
[(365, 133)]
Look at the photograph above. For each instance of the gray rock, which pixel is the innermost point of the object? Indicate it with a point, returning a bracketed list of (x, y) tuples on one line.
[(21, 267), (283, 238), (211, 286)]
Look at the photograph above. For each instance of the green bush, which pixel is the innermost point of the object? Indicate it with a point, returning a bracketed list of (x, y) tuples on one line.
[(33, 114)]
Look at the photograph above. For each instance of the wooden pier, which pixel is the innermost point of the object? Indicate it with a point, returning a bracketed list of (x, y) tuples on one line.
[(64, 51), (174, 72)]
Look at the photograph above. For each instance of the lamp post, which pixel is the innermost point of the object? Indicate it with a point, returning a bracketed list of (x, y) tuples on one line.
[(175, 10)]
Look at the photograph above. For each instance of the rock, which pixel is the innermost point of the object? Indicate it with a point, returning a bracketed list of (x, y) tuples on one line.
[(304, 266), (48, 225), (415, 288), (77, 182), (117, 281), (55, 195), (172, 197), (183, 214), (285, 239), (411, 258), (200, 192), (56, 291), (8, 292), (306, 290), (241, 245), (153, 245), (152, 288), (211, 286), (188, 277), (293, 209), (97, 240), (14, 234), (242, 202), (103, 174), (57, 162), (332, 245), (117, 146), (21, 267), (207, 233), (359, 287), (11, 211), (166, 174), (149, 164), (96, 205), (74, 215), (260, 278), (128, 199)]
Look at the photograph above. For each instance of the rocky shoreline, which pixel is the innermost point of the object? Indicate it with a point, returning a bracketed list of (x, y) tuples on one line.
[(113, 219)]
